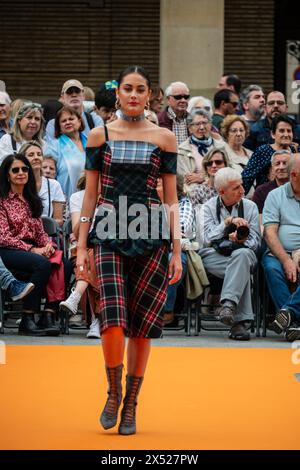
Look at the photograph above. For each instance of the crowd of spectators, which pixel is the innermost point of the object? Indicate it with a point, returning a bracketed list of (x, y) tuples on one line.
[(238, 180)]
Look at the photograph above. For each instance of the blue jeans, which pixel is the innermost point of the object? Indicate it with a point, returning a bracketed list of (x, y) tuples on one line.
[(278, 286), (6, 277), (172, 289)]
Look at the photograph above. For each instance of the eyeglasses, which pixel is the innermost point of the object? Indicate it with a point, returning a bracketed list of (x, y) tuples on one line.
[(217, 162), (206, 108), (235, 131), (17, 169), (199, 124), (180, 97), (279, 102)]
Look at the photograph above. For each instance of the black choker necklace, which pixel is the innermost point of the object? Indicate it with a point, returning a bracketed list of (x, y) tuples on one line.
[(140, 117)]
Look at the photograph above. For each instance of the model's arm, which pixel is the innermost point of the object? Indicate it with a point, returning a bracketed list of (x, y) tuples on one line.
[(171, 203), (95, 140)]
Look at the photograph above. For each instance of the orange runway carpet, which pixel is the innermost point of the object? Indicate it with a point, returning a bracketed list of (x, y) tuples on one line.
[(193, 398)]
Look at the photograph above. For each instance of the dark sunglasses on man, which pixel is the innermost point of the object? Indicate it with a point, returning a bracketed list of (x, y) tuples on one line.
[(180, 97)]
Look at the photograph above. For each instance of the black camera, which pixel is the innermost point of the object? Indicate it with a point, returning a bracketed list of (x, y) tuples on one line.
[(242, 232), (224, 246)]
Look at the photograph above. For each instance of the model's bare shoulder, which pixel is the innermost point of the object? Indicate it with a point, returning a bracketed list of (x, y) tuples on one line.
[(96, 137), (167, 139)]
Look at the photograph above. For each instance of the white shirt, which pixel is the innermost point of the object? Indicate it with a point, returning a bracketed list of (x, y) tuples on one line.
[(76, 201), (56, 195), (6, 147)]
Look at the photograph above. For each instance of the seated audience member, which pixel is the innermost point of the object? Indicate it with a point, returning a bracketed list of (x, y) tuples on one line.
[(156, 100), (253, 102), (28, 125), (225, 102), (15, 289), (200, 102), (175, 114), (24, 245), (234, 129), (260, 133), (72, 95), (86, 279), (231, 212), (5, 120), (68, 148), (230, 82), (105, 102), (49, 190), (280, 175), (281, 261), (191, 152), (49, 167), (151, 116), (212, 162), (258, 167)]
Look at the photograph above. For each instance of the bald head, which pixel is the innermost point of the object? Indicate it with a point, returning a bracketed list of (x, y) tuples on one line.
[(294, 163)]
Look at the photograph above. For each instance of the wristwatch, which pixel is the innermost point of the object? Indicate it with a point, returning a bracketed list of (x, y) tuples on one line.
[(85, 219)]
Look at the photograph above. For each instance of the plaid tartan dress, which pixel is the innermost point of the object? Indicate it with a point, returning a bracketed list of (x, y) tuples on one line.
[(132, 273)]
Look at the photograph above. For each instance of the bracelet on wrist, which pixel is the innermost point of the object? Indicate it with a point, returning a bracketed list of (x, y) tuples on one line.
[(86, 219)]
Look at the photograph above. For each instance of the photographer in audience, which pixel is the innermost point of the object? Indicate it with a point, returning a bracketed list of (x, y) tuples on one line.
[(231, 256)]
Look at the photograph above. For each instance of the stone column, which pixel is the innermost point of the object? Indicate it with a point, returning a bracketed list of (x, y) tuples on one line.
[(192, 44)]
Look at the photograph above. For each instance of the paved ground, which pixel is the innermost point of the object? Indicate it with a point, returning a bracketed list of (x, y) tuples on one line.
[(206, 339)]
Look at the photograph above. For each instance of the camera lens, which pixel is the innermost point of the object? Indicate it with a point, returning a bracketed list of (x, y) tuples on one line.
[(242, 232)]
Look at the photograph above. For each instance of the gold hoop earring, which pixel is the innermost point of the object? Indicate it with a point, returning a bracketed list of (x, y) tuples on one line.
[(147, 107), (118, 104)]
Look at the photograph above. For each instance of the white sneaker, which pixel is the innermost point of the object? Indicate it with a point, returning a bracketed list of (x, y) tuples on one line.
[(94, 331), (70, 305)]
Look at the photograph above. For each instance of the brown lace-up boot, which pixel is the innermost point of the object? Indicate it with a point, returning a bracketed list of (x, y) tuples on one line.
[(133, 385), (109, 415)]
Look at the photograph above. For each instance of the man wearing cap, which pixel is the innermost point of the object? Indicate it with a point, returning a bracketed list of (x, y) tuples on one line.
[(5, 121), (72, 94)]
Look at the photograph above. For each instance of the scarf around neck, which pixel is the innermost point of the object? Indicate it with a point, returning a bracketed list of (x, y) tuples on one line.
[(201, 144)]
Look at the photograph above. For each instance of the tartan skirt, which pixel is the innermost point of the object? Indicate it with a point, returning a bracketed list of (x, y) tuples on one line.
[(133, 291)]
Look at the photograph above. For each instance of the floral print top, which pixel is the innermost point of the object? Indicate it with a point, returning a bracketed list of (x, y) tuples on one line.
[(18, 229)]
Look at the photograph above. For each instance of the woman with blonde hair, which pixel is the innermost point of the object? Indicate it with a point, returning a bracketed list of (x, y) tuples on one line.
[(235, 130), (211, 164), (28, 125)]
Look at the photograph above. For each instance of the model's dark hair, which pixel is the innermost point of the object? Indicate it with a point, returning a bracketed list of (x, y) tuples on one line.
[(29, 193), (134, 69), (282, 118)]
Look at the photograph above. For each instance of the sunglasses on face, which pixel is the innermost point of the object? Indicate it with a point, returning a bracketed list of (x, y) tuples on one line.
[(217, 162), (180, 97), (17, 169), (234, 103)]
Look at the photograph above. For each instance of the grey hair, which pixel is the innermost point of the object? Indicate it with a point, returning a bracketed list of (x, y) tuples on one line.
[(245, 95), (197, 112), (280, 152), (5, 96), (169, 88), (224, 176), (193, 101)]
